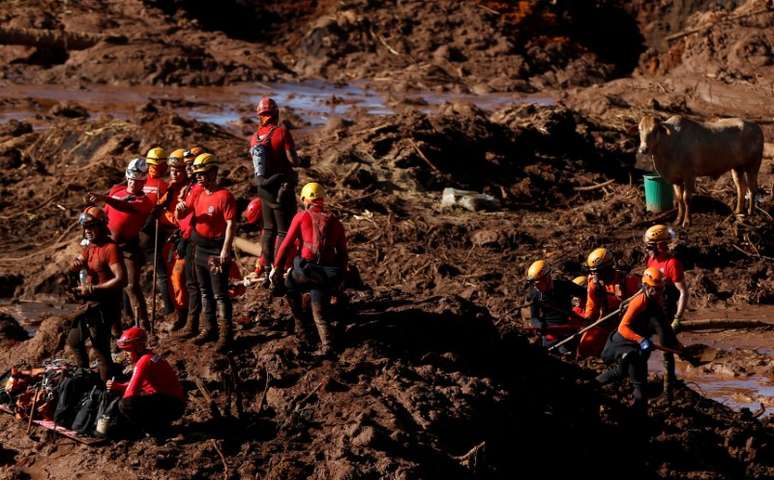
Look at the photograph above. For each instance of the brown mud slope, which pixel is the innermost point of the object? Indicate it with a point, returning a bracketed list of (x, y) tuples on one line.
[(471, 45), (432, 366)]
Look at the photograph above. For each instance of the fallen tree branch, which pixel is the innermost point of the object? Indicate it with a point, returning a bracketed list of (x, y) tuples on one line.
[(222, 458), (594, 187), (42, 38), (693, 325), (423, 157), (730, 18), (381, 40)]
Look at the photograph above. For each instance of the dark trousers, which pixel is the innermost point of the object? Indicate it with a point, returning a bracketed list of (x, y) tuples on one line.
[(95, 325), (213, 287), (191, 283), (276, 222), (151, 413)]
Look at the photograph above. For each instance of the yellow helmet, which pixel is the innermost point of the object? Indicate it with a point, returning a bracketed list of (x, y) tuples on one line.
[(176, 158), (155, 156), (600, 257), (653, 277), (658, 233), (538, 270), (204, 163), (311, 192), (581, 281)]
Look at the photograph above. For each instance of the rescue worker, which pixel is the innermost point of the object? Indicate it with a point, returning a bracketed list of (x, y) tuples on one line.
[(320, 267), (156, 189), (551, 303), (214, 223), (629, 347), (579, 303), (273, 155), (153, 398), (187, 248), (607, 288), (127, 208), (657, 240), (103, 278), (172, 256), (155, 186)]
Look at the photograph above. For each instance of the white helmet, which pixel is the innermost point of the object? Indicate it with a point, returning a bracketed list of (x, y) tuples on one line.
[(137, 169)]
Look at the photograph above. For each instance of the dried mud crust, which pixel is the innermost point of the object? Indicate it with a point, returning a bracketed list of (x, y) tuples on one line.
[(431, 364)]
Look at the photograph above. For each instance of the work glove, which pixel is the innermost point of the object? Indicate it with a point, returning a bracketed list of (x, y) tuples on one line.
[(274, 276), (676, 323), (646, 345)]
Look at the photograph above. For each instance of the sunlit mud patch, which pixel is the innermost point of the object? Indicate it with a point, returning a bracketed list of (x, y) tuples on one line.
[(752, 393), (20, 321)]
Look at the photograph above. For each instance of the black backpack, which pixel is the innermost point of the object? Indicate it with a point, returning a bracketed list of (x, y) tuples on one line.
[(70, 392), (86, 419)]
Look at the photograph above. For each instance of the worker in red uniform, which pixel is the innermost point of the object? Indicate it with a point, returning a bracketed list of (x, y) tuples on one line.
[(273, 155), (606, 288), (154, 397), (321, 265), (629, 346), (187, 248), (127, 209), (169, 227), (214, 212), (102, 280), (657, 239)]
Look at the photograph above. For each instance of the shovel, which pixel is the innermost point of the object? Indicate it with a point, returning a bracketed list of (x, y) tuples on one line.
[(697, 354)]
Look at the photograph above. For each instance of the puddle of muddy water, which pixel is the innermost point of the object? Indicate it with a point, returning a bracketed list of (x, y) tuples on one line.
[(30, 314), (314, 101)]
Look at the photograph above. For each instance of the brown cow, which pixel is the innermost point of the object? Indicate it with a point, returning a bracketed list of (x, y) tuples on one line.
[(682, 150)]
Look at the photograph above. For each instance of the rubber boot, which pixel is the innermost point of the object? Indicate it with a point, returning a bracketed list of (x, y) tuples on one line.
[(613, 372), (191, 328), (180, 319), (299, 321), (225, 329), (323, 329), (207, 332)]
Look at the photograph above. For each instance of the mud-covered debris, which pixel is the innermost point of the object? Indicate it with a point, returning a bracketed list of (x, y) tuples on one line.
[(468, 200)]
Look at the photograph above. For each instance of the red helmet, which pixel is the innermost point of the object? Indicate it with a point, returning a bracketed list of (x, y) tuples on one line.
[(132, 339), (266, 106), (253, 211)]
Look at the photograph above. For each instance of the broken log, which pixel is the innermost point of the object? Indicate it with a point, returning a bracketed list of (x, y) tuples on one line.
[(251, 248), (62, 39)]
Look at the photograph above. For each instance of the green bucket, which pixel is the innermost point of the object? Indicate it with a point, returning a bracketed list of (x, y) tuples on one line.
[(659, 196)]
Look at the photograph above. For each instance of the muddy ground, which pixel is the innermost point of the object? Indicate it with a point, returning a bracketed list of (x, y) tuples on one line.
[(435, 378)]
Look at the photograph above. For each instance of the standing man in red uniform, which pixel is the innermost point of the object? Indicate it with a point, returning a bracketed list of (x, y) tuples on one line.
[(320, 267), (154, 397), (127, 209), (214, 212), (187, 247), (274, 155), (101, 286), (155, 186), (657, 240)]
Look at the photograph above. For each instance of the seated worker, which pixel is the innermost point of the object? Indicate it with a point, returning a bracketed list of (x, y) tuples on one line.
[(629, 347), (102, 282), (607, 288), (657, 239), (320, 267), (154, 397), (551, 303)]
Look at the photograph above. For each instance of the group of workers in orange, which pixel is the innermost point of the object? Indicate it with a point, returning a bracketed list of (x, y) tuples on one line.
[(650, 304), (188, 222)]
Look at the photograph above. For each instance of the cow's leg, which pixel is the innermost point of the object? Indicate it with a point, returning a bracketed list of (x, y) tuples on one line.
[(689, 186), (741, 189), (678, 188), (752, 186)]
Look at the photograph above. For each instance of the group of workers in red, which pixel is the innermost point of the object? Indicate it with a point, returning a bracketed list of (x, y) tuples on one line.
[(650, 304), (188, 222)]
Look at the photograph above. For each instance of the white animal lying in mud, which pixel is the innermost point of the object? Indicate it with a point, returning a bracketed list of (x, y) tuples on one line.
[(682, 150)]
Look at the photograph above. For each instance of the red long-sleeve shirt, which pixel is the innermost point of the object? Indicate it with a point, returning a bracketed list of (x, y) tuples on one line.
[(152, 374), (308, 225)]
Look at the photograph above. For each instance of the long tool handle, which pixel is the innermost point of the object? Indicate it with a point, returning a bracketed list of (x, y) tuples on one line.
[(155, 267), (32, 410), (667, 349), (598, 322)]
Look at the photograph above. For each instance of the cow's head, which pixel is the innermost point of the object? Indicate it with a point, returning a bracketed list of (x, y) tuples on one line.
[(650, 132)]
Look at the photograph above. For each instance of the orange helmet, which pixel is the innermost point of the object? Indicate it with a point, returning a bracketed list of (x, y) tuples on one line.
[(190, 155), (92, 215), (653, 277)]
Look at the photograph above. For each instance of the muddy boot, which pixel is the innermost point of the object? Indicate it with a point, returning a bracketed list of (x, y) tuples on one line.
[(323, 330), (612, 373), (225, 329), (207, 331), (191, 328), (180, 320)]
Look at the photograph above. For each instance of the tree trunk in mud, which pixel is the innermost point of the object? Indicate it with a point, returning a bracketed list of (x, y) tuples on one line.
[(40, 38)]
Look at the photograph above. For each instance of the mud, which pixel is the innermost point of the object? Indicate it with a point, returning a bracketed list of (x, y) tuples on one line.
[(530, 102)]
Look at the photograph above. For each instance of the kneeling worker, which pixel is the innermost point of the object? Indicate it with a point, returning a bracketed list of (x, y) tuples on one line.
[(321, 266), (154, 397), (550, 302)]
